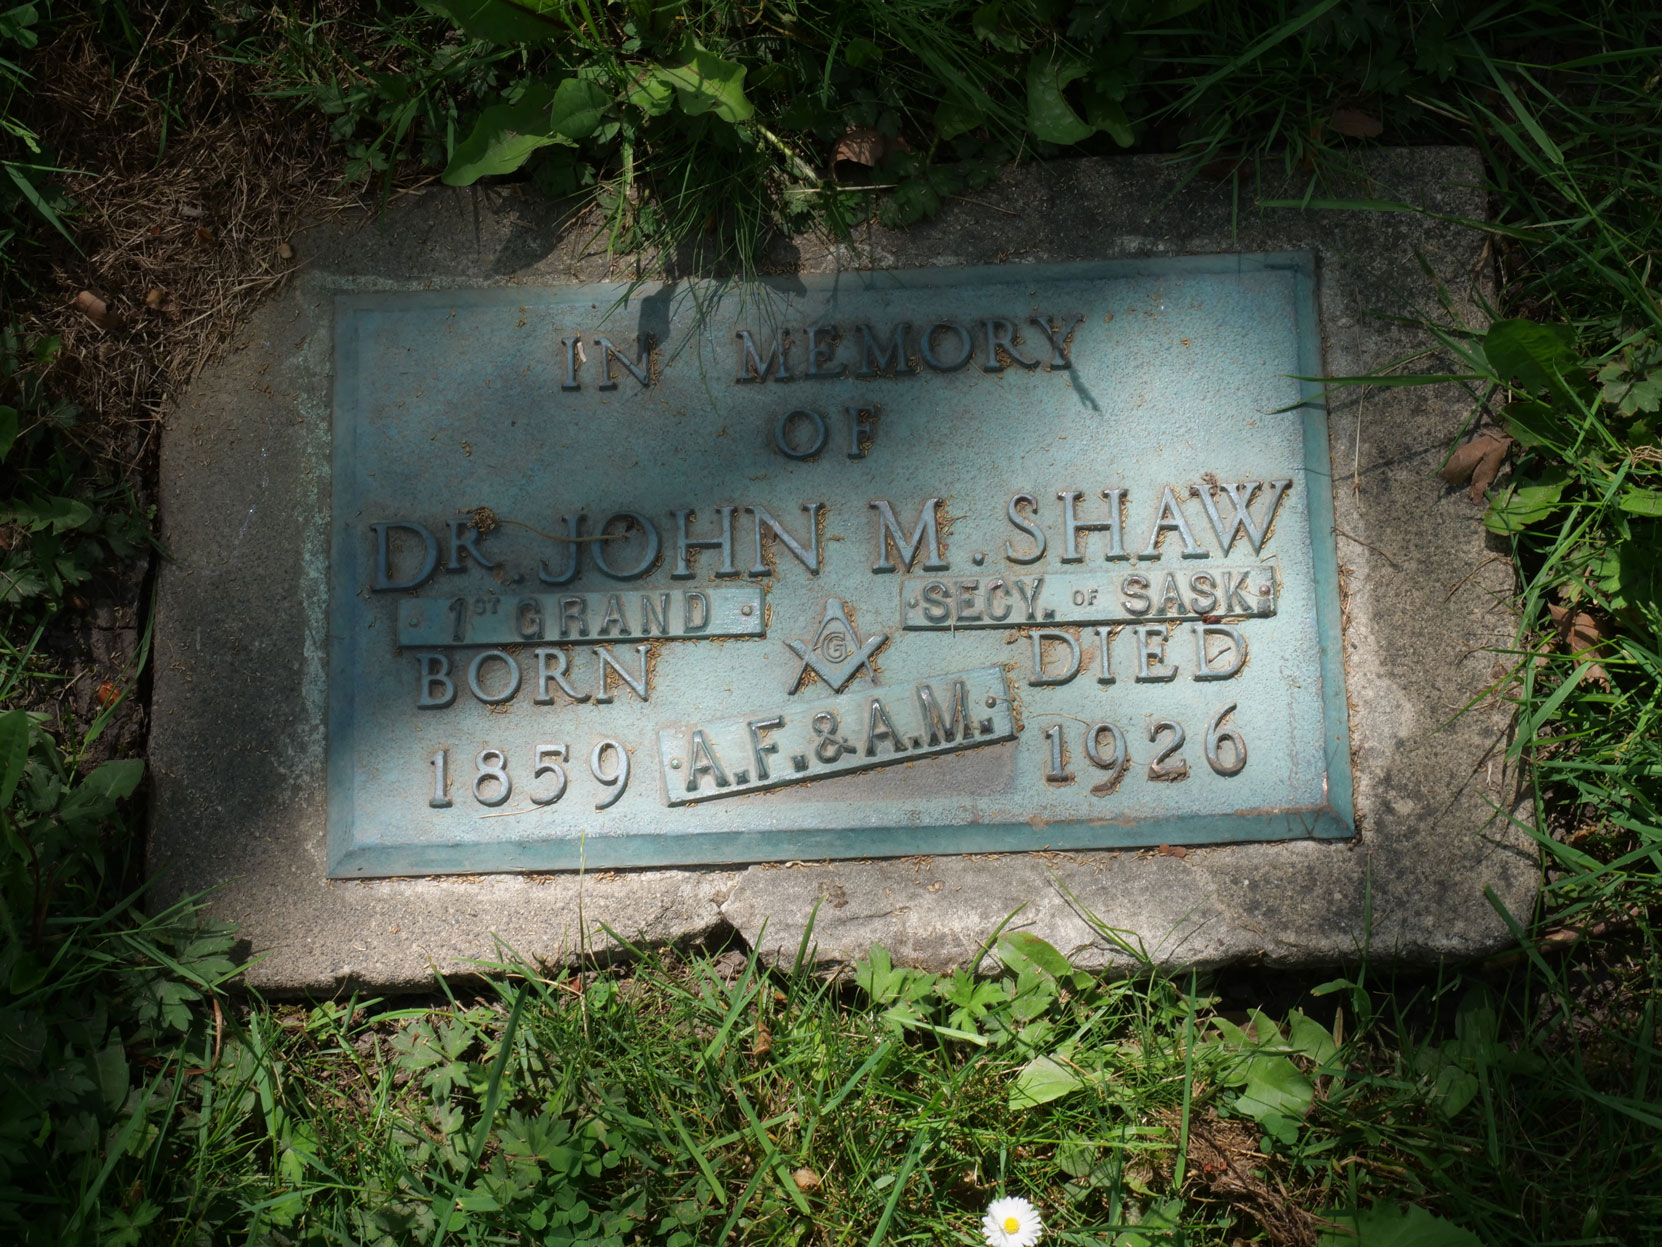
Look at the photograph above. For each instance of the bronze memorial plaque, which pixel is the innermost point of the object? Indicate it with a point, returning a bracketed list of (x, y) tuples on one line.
[(868, 565)]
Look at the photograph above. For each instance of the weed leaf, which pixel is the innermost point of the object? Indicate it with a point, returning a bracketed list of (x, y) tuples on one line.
[(1643, 502), (1629, 391), (1110, 117), (1049, 115), (1539, 356), (95, 796), (1536, 425), (1526, 502), (955, 117), (1042, 1080), (653, 94), (704, 83), (40, 514), (1384, 1225), (14, 753), (109, 1067), (500, 21), (1020, 949), (579, 107), (1274, 1087), (505, 137)]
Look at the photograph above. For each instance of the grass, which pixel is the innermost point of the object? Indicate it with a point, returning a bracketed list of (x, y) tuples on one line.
[(698, 1097), (709, 1100), (712, 1101)]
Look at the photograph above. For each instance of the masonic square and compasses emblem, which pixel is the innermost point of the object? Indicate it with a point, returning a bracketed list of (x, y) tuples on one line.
[(836, 654)]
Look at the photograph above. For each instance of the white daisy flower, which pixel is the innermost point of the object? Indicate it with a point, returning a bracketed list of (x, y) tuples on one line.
[(1012, 1222)]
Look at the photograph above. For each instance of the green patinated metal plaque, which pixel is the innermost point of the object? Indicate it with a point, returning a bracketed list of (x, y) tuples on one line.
[(869, 565)]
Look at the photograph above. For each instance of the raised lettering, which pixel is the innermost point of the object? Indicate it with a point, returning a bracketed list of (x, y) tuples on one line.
[(698, 746), (572, 345), (648, 557), (937, 601), (1042, 637), (574, 610), (437, 689), (475, 676), (892, 360), (809, 558), (654, 616), (751, 365), (551, 669), (1029, 593), (1072, 526), (381, 580), (819, 355), (641, 371), (1134, 595), (889, 532), (614, 624), (1241, 522), (999, 587), (1002, 333), (1171, 600), (1151, 654), (760, 749), (702, 601), (573, 542), (609, 664), (1234, 601), (1058, 339), (926, 347), (880, 727), (1027, 526), (470, 543), (1203, 593), (1105, 669), (862, 429), (782, 435), (1204, 670), (957, 720), (1171, 516), (684, 543)]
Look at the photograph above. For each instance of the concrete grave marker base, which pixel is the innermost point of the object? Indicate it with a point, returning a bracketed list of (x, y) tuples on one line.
[(238, 746)]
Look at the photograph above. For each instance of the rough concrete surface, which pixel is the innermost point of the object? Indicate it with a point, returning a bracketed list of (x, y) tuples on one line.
[(238, 747)]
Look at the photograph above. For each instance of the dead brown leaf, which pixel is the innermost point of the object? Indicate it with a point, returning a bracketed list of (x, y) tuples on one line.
[(859, 145), (1582, 634), (99, 312), (730, 965), (1562, 938), (1355, 124), (1172, 850), (1478, 461), (806, 1179)]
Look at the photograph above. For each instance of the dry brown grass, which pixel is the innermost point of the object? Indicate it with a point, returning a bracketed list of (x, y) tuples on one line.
[(1225, 1165), (191, 180), (188, 181)]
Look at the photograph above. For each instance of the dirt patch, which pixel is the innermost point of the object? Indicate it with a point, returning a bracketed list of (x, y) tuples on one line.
[(186, 180), (1224, 1164)]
